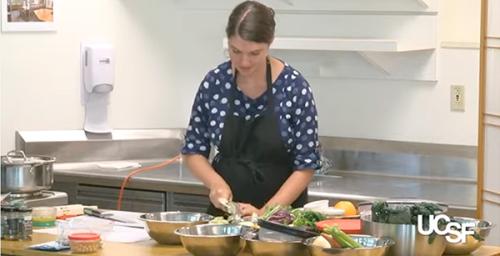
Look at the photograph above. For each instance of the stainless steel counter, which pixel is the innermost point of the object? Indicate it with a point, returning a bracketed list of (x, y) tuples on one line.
[(460, 196), (363, 169)]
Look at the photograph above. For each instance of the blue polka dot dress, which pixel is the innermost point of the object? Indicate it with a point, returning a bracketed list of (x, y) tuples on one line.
[(294, 106)]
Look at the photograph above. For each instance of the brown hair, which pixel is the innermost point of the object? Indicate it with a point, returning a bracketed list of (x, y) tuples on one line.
[(252, 21)]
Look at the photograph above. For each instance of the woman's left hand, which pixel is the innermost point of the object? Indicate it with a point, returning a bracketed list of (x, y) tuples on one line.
[(248, 209)]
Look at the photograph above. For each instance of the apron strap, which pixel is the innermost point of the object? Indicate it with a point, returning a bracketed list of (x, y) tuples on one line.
[(269, 93)]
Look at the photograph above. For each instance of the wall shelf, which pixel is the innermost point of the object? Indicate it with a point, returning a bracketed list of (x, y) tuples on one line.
[(358, 58), (423, 3), (345, 44)]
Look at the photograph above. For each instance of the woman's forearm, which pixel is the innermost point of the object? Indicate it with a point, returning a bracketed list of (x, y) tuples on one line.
[(203, 170), (291, 189)]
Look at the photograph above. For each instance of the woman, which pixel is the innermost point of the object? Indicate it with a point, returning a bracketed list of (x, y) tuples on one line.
[(260, 114)]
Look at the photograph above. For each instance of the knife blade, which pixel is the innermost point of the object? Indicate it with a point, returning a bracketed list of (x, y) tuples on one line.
[(99, 214)]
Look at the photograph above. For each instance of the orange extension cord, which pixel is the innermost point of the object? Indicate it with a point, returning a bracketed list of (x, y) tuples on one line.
[(142, 169)]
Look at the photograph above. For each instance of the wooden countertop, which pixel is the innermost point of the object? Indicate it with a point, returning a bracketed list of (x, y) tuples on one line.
[(149, 247), (142, 248)]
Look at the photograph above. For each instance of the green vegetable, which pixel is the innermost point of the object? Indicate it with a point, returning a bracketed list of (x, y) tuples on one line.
[(342, 238), (270, 210), (306, 219), (407, 214)]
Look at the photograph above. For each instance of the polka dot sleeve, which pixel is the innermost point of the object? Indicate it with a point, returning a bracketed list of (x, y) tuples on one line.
[(197, 139), (304, 124)]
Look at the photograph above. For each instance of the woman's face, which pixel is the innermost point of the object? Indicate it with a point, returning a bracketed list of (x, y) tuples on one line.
[(247, 56)]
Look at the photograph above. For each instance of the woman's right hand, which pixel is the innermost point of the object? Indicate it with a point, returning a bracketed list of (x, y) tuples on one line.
[(220, 194)]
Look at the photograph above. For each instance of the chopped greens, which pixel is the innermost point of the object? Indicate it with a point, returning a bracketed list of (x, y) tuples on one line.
[(294, 217), (304, 218)]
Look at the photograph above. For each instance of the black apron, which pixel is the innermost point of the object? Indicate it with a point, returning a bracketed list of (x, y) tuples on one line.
[(252, 157)]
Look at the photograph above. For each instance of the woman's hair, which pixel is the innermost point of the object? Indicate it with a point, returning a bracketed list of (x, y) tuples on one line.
[(252, 21)]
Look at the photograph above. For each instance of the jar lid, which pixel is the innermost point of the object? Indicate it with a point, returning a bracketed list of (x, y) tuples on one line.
[(24, 209), (84, 236), (8, 208)]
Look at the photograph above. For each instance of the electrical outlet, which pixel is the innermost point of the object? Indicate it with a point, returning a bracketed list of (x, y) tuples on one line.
[(457, 99)]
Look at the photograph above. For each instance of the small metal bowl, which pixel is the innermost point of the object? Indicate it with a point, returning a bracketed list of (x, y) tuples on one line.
[(471, 244), (161, 225), (372, 246), (274, 243), (211, 239)]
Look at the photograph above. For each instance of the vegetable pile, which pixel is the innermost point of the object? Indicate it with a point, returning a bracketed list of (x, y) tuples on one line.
[(306, 219), (406, 214), (293, 217), (338, 239)]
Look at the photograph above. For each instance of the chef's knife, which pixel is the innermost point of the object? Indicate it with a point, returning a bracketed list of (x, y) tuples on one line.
[(99, 214)]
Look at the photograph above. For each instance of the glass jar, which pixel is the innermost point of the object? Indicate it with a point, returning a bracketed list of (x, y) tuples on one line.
[(84, 242), (25, 223), (9, 223), (16, 223), (43, 217)]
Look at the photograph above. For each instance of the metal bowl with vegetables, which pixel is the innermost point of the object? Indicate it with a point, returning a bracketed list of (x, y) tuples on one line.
[(473, 242), (161, 225), (301, 225), (397, 219), (282, 231), (211, 239), (364, 245), (267, 242)]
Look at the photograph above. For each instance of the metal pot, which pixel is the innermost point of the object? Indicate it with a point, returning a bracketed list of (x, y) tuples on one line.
[(22, 174), (408, 241)]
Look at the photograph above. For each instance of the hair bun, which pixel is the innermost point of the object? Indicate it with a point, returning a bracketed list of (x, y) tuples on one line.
[(271, 11)]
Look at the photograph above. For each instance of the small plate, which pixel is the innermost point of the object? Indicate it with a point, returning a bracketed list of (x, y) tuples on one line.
[(329, 211), (316, 204)]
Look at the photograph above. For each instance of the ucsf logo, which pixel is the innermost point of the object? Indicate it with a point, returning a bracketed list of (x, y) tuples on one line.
[(455, 232)]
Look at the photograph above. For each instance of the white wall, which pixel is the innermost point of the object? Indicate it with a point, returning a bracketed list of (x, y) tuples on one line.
[(382, 109), (164, 48), (40, 71)]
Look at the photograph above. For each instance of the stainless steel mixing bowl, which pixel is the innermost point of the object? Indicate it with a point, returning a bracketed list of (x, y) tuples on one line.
[(372, 246), (211, 239), (274, 243), (162, 225), (482, 227)]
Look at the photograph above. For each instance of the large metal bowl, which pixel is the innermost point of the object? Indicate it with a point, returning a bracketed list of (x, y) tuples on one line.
[(211, 239), (408, 241), (372, 246), (280, 244), (482, 227), (162, 225)]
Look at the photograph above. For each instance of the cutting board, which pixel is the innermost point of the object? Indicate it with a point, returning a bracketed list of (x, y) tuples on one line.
[(349, 226)]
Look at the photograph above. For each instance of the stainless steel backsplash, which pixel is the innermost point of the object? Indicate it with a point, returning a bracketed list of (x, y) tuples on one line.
[(373, 157)]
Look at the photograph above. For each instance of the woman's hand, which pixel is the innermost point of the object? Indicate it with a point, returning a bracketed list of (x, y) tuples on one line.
[(248, 210), (219, 194)]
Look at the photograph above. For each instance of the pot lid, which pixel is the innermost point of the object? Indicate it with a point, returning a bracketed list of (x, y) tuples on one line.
[(17, 157)]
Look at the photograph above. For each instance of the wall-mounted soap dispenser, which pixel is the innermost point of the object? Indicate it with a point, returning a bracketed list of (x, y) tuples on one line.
[(97, 82)]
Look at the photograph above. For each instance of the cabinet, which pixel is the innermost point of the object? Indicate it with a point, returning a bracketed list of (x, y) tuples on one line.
[(187, 202), (133, 199)]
